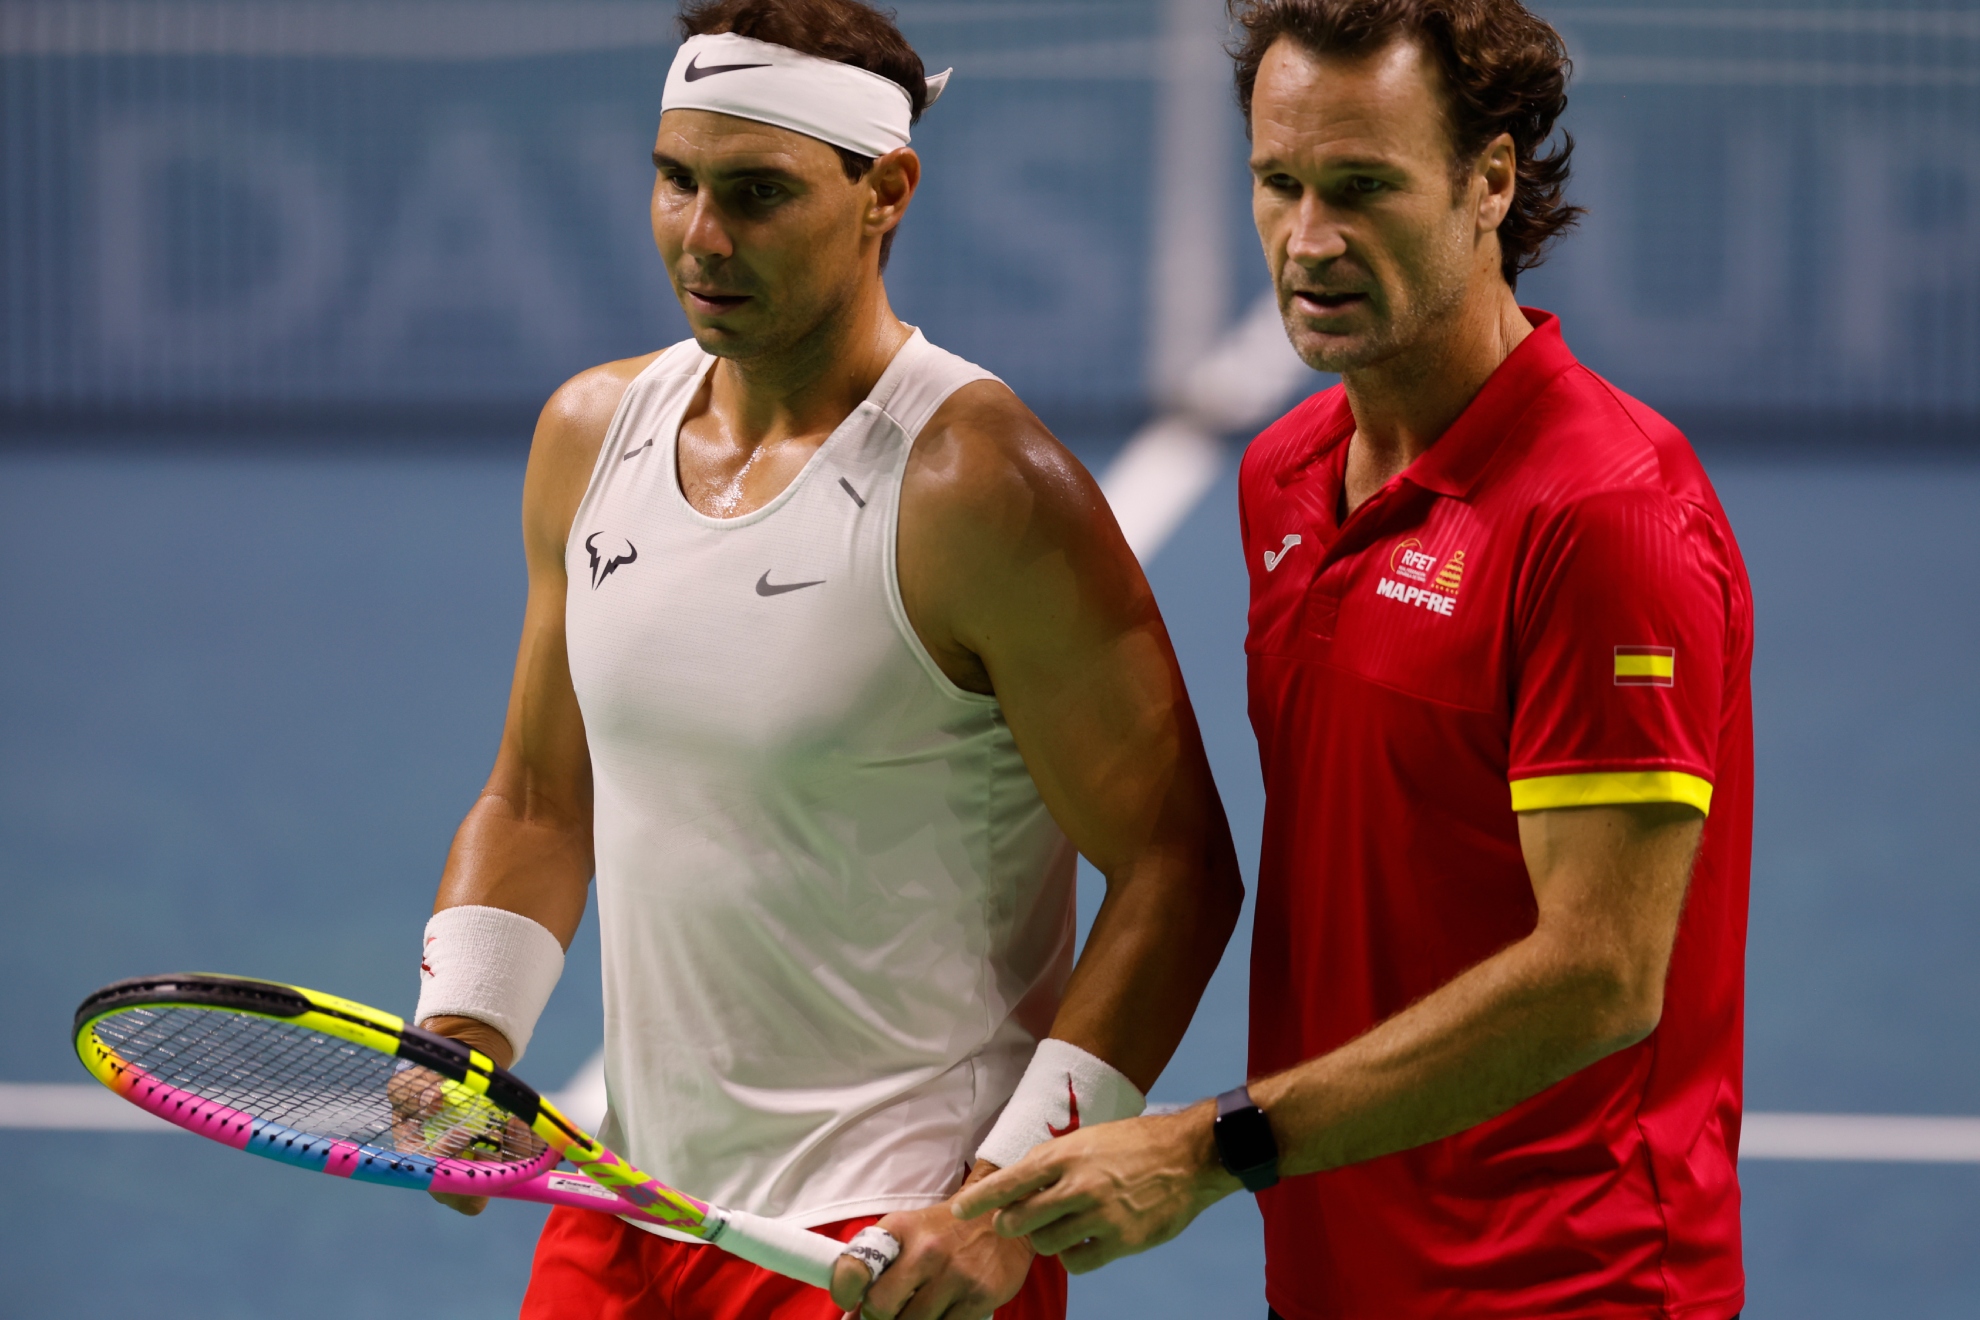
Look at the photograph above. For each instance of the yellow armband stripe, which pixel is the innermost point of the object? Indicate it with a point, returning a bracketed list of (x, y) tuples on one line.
[(1604, 790)]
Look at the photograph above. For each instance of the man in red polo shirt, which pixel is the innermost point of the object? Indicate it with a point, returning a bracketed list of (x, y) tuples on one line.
[(1499, 643)]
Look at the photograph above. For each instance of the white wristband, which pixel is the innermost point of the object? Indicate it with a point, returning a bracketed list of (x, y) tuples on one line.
[(1064, 1089), (489, 964)]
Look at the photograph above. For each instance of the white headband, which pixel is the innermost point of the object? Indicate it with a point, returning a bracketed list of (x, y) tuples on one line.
[(771, 84)]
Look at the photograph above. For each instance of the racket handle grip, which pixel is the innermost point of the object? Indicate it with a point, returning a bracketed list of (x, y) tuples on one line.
[(796, 1253)]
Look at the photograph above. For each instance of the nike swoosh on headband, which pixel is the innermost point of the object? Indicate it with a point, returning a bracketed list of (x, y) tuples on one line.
[(696, 71), (851, 108), (764, 587)]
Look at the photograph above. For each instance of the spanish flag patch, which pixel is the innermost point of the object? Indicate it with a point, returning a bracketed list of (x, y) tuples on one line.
[(1646, 666)]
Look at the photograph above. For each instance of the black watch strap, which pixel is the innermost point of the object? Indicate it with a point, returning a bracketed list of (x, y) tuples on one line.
[(1244, 1140)]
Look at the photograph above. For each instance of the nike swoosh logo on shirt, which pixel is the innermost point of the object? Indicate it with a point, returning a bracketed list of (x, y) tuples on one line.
[(696, 71), (1272, 557), (764, 587)]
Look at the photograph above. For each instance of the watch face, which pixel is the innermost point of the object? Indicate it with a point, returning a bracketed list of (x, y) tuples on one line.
[(1244, 1141)]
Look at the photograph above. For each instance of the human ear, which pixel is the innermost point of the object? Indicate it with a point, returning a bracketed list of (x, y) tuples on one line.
[(1498, 168), (892, 182)]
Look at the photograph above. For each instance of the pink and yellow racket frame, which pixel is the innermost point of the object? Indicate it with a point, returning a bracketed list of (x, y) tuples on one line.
[(604, 1182)]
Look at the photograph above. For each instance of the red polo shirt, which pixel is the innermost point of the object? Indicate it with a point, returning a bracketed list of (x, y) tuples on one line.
[(1546, 610)]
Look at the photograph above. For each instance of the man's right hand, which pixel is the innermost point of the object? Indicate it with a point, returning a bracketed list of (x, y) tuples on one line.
[(946, 1269), (479, 1036), (1107, 1191)]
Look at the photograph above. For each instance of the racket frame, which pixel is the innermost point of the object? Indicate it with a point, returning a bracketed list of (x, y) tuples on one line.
[(604, 1182)]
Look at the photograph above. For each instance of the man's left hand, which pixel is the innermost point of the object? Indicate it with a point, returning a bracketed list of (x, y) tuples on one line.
[(948, 1269), (1108, 1191)]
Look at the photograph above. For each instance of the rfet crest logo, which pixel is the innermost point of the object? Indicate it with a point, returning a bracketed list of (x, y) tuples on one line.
[(1419, 580), (1409, 560)]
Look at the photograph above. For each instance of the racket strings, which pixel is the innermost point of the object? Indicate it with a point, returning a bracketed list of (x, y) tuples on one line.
[(316, 1084)]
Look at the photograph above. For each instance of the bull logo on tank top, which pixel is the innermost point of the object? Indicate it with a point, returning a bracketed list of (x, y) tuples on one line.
[(609, 560)]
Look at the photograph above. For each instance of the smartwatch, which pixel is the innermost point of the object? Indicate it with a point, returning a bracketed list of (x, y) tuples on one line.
[(1244, 1140)]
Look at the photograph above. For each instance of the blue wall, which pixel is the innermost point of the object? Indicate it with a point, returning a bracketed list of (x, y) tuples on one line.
[(248, 229), (437, 209)]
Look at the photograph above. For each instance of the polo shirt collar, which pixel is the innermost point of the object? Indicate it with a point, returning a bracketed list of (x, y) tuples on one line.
[(1454, 463)]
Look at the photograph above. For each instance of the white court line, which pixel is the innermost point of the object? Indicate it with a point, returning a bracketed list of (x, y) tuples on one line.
[(1900, 1138), (1165, 469), (88, 1107), (1867, 1138), (73, 1107)]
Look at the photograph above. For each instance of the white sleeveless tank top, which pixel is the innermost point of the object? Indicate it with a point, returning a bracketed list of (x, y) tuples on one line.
[(836, 916)]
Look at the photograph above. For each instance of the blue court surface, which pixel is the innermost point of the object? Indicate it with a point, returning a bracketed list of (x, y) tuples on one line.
[(245, 698)]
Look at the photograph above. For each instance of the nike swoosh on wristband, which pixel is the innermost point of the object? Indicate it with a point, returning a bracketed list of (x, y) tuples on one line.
[(695, 71), (764, 586), (1072, 1103)]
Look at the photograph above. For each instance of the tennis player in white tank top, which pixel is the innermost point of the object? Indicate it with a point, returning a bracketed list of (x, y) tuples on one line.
[(832, 659)]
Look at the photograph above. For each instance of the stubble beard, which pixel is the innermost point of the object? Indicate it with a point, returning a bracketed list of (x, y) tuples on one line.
[(787, 337), (1396, 329), (1402, 318)]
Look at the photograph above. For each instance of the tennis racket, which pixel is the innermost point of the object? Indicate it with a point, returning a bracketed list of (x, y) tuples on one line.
[(329, 1085)]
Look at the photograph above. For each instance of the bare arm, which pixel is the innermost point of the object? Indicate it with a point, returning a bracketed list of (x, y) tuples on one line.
[(1588, 981), (1609, 883), (526, 843), (1019, 583), (1018, 579)]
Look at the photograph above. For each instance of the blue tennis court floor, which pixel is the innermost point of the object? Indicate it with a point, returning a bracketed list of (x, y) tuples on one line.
[(245, 698)]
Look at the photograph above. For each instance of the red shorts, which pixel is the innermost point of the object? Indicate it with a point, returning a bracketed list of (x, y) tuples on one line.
[(593, 1267)]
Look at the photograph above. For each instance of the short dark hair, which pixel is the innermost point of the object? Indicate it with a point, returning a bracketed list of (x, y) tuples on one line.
[(843, 30), (1505, 70)]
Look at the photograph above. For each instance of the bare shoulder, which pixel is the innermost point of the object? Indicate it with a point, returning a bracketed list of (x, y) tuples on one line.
[(991, 474), (569, 432), (1007, 547)]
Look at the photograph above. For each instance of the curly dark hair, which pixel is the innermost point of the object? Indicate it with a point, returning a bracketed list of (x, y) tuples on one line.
[(843, 30), (1504, 71)]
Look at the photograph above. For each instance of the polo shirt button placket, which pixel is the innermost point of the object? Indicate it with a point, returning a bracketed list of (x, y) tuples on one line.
[(1323, 599), (1330, 580)]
